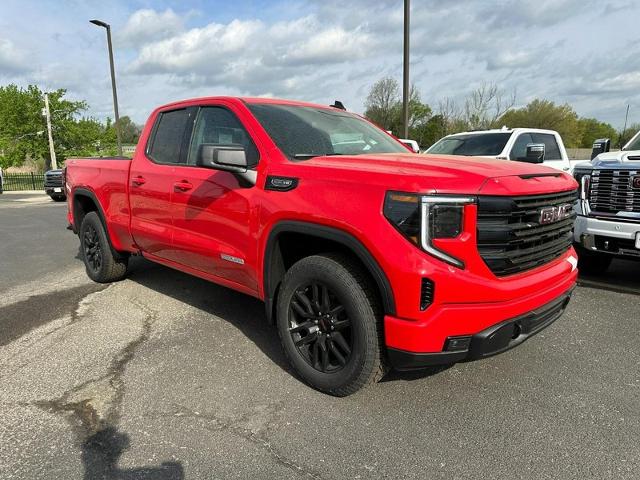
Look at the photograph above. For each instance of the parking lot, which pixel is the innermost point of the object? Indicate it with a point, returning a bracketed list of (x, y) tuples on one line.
[(165, 376)]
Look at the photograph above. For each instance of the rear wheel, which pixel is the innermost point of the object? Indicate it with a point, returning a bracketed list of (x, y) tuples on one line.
[(592, 262), (329, 324), (103, 265)]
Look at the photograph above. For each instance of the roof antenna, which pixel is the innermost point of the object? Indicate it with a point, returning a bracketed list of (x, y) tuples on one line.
[(338, 104)]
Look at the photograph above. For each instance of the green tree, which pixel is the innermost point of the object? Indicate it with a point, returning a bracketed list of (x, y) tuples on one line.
[(592, 129), (129, 131), (384, 107), (23, 127), (546, 114), (624, 137)]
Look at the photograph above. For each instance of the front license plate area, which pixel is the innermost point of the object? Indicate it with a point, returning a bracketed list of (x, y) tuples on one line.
[(57, 190)]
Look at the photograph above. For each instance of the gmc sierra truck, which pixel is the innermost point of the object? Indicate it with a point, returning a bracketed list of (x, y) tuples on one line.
[(366, 255), (608, 223)]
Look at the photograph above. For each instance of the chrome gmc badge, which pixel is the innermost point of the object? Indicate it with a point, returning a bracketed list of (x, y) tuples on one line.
[(555, 214)]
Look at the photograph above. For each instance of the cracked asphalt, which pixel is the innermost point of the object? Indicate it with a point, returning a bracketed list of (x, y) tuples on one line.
[(164, 376)]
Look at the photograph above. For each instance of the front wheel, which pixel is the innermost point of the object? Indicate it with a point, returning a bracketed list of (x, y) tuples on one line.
[(329, 323), (103, 265)]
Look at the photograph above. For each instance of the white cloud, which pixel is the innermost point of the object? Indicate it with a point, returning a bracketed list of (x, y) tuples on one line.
[(147, 25), (12, 59)]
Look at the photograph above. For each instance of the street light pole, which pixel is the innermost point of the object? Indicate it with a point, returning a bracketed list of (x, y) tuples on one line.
[(405, 73), (113, 81), (47, 114)]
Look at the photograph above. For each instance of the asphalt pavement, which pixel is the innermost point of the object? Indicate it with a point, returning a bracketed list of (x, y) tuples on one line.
[(165, 376)]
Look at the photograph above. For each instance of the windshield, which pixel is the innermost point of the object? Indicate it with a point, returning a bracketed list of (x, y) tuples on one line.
[(635, 143), (479, 144), (305, 132)]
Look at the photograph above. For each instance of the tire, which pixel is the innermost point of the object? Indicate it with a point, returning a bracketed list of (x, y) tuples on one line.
[(593, 263), (330, 324), (103, 265)]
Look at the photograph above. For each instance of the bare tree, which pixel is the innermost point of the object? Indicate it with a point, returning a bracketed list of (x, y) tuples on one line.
[(451, 115), (485, 105), (382, 101)]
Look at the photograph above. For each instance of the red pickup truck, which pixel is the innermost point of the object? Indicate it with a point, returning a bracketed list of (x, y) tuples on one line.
[(367, 256)]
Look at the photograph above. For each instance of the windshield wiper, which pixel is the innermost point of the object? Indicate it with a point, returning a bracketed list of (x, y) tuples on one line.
[(307, 156)]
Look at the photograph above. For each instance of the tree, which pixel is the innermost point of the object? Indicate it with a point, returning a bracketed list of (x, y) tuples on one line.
[(23, 127), (624, 137), (384, 107), (129, 131), (546, 114), (382, 102), (485, 105), (592, 129)]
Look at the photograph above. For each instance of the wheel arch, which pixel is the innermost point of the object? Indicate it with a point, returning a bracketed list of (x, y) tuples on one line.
[(274, 265), (85, 201)]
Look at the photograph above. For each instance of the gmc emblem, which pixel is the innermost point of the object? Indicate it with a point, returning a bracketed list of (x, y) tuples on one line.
[(635, 181), (555, 214)]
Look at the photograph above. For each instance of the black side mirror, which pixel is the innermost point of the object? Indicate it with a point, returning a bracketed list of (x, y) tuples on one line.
[(535, 153), (601, 145), (229, 157)]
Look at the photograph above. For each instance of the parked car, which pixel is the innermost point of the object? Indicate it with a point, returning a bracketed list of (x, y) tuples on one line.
[(608, 222), (366, 255), (531, 145), (53, 185)]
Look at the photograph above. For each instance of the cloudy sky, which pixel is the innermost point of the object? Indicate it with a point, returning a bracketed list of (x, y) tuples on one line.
[(585, 52)]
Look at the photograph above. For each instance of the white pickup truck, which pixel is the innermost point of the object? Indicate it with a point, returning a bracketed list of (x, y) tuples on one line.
[(531, 145), (608, 222)]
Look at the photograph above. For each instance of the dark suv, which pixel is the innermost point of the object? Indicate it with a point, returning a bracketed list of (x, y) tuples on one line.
[(53, 185)]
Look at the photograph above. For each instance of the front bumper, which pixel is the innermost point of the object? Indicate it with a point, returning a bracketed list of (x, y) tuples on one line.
[(613, 236), (490, 341)]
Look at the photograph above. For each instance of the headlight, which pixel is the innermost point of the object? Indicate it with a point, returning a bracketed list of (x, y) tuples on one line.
[(422, 219)]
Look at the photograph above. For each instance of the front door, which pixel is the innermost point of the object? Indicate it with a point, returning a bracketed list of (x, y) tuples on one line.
[(212, 212), (151, 183)]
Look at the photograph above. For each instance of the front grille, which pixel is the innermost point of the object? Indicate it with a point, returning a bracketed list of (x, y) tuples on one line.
[(511, 238), (53, 179), (612, 191)]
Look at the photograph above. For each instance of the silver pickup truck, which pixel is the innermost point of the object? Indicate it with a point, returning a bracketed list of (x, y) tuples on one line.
[(608, 222)]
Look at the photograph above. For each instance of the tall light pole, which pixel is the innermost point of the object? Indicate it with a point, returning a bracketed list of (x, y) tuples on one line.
[(405, 73), (113, 81), (47, 114)]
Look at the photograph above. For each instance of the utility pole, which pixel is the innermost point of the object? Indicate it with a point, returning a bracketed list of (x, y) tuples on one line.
[(405, 73), (624, 130), (100, 23), (47, 114)]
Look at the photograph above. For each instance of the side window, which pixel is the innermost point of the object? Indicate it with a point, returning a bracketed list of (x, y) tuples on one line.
[(519, 149), (167, 138), (218, 126), (551, 150)]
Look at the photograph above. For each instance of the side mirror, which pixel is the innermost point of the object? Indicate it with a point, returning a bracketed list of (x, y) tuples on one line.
[(230, 158), (601, 145), (535, 153)]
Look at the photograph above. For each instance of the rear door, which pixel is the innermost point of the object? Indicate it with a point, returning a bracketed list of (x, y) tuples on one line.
[(152, 178), (212, 212)]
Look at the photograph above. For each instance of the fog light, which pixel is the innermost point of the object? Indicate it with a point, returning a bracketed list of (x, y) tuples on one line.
[(454, 344)]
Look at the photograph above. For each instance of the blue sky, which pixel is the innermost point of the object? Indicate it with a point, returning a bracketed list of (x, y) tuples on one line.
[(584, 52)]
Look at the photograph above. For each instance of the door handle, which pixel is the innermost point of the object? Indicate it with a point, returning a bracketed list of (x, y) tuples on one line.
[(182, 186), (137, 181)]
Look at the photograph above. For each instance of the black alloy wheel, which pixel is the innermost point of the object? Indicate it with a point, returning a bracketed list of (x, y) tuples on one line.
[(92, 248), (320, 327)]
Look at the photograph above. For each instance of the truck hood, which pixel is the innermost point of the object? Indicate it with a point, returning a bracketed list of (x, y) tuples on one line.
[(441, 173), (621, 159)]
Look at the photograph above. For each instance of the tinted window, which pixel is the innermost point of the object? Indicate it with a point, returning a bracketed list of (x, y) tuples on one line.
[(551, 149), (519, 150), (479, 144), (218, 126), (308, 131), (168, 136)]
